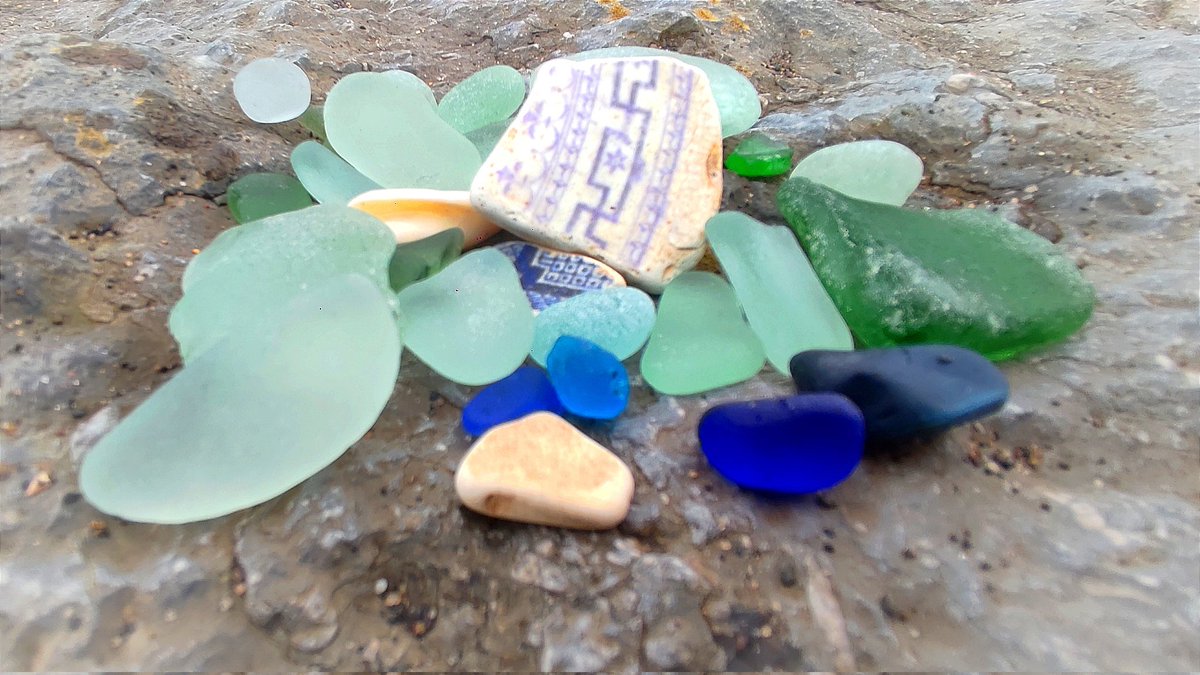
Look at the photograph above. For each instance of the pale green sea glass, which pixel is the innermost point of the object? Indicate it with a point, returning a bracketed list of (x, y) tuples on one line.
[(617, 319), (471, 322), (490, 96), (885, 172), (327, 177), (251, 272), (700, 340), (411, 80), (737, 100), (255, 415), (423, 258), (385, 127), (260, 195), (486, 138), (272, 90), (783, 299)]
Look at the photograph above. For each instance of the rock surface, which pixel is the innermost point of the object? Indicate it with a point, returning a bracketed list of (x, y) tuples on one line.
[(1057, 535)]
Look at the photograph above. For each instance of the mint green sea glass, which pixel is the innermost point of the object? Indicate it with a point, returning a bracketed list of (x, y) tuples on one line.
[(489, 96), (260, 195), (737, 100), (255, 415), (700, 340), (471, 322), (327, 177), (618, 319), (759, 156), (233, 286), (423, 258), (964, 277), (876, 171), (386, 128), (780, 293), (410, 80)]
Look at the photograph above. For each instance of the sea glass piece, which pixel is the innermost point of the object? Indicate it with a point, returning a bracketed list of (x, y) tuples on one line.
[(616, 319), (414, 213), (736, 97), (783, 299), (550, 276), (589, 381), (488, 97), (965, 277), (327, 177), (234, 287), (260, 195), (700, 340), (486, 138), (410, 80), (628, 178), (272, 90), (313, 120), (540, 469), (385, 127), (525, 392), (760, 156), (255, 415), (793, 445), (875, 171), (905, 392), (471, 322), (423, 258)]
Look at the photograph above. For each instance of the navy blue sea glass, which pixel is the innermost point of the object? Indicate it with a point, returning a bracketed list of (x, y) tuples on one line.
[(905, 392), (590, 381), (793, 445), (525, 392)]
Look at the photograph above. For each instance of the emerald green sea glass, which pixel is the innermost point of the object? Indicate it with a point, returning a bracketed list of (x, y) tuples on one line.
[(488, 97), (423, 258), (737, 100), (255, 415), (617, 319), (250, 272), (700, 340), (471, 322), (386, 128), (327, 177), (260, 195), (784, 300), (760, 156), (965, 277), (875, 171)]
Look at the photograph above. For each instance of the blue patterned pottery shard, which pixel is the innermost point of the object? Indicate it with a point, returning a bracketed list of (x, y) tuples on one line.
[(619, 159), (550, 276)]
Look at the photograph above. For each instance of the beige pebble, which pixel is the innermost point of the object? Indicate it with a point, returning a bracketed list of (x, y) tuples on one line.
[(414, 214), (540, 469)]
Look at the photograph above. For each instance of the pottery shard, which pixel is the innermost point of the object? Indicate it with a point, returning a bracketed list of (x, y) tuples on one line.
[(616, 158), (540, 469)]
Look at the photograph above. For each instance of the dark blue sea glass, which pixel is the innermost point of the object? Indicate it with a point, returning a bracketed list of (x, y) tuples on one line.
[(793, 445), (905, 392), (525, 392), (590, 381)]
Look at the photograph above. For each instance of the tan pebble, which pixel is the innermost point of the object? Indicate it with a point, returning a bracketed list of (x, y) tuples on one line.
[(540, 469), (414, 214), (40, 483)]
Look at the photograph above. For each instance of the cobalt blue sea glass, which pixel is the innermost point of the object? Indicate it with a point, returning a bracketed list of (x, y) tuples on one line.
[(525, 392), (792, 445), (590, 381), (905, 392)]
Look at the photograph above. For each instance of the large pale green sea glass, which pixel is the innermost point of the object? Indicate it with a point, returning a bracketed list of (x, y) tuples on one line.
[(618, 319), (780, 293), (327, 177), (255, 415), (488, 97), (876, 171)]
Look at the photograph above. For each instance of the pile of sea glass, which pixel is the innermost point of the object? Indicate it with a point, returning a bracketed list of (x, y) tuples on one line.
[(578, 197)]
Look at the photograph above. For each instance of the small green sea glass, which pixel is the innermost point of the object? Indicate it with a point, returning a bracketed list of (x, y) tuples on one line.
[(490, 96), (471, 322), (251, 272), (260, 195), (760, 156), (386, 128), (783, 299), (327, 177), (617, 319), (313, 120), (876, 171), (964, 277), (737, 100), (700, 340), (255, 415), (423, 258)]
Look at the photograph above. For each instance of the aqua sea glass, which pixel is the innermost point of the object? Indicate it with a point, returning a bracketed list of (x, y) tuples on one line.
[(617, 319), (488, 97), (327, 177)]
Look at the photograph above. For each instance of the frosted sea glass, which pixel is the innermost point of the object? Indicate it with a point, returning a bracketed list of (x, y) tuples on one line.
[(272, 90), (327, 177), (488, 97), (616, 319), (876, 171), (260, 195)]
